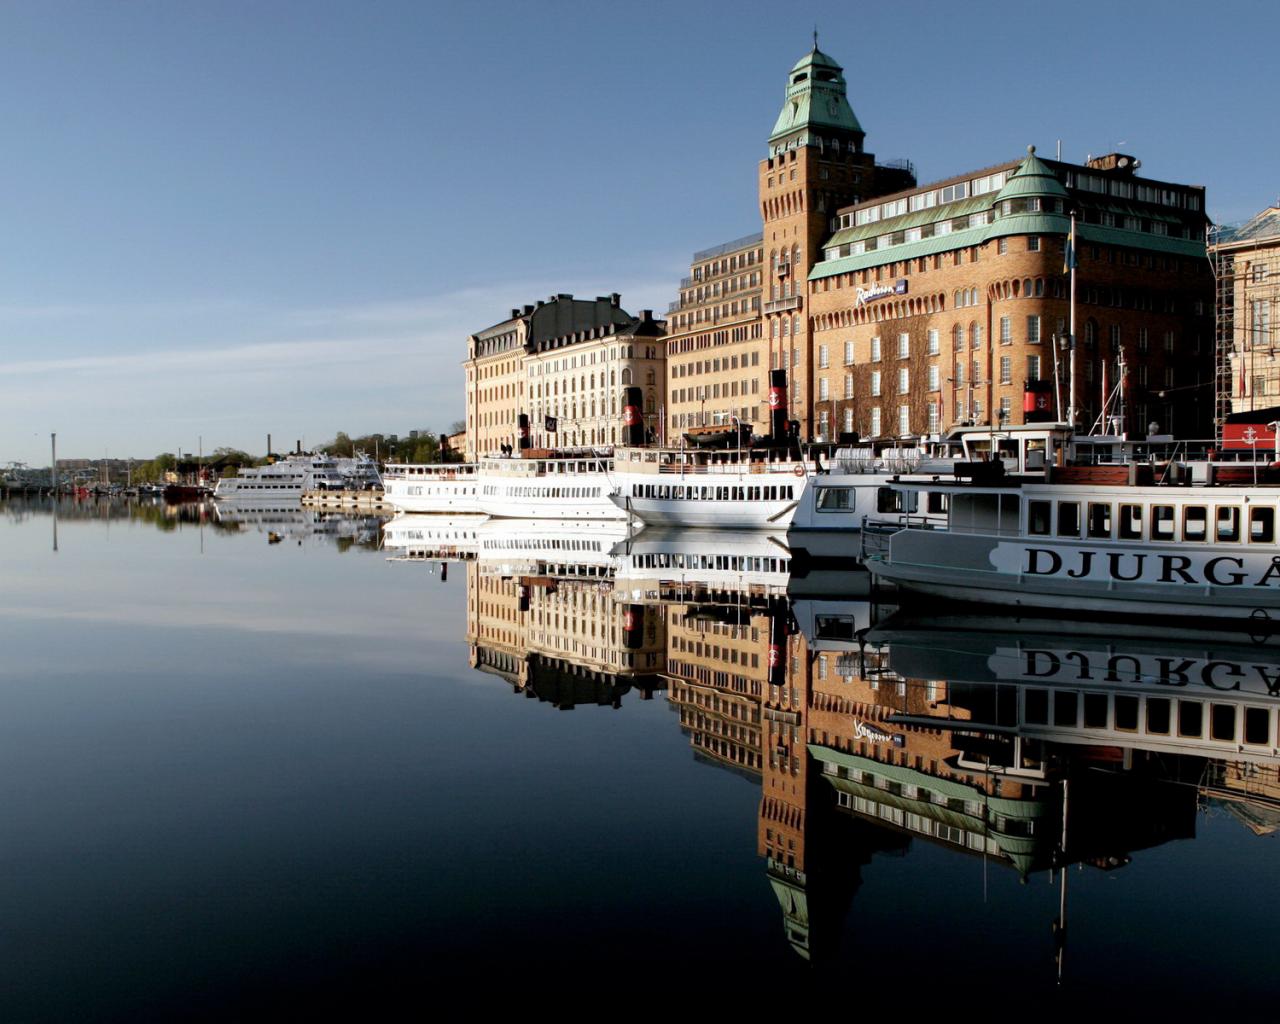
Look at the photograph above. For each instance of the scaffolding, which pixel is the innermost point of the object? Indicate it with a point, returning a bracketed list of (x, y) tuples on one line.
[(1246, 267)]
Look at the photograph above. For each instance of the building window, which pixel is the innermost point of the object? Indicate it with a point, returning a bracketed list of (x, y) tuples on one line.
[(875, 422), (933, 341), (933, 418), (1144, 340), (1033, 367), (933, 378), (848, 353), (848, 385), (904, 381), (847, 423), (1006, 370), (904, 345), (975, 336), (1033, 330), (1006, 409), (1033, 243), (957, 338), (904, 419), (875, 383), (822, 357), (1006, 330), (875, 350), (822, 389), (1002, 246)]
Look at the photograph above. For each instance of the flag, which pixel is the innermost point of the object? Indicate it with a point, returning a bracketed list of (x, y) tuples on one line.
[(1069, 262), (549, 424)]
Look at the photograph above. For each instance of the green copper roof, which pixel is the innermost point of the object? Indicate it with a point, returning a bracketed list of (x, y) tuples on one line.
[(815, 58), (816, 98), (1032, 178)]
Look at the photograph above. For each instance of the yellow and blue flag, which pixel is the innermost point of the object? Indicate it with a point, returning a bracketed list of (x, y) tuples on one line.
[(1069, 262)]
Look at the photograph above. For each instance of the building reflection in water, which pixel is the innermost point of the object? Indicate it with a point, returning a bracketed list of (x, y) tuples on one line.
[(1030, 749)]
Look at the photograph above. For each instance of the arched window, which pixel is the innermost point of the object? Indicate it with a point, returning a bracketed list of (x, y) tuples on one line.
[(626, 376), (652, 377), (957, 337), (795, 325), (975, 335)]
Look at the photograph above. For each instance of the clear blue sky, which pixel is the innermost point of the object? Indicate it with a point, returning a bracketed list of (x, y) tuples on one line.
[(227, 219)]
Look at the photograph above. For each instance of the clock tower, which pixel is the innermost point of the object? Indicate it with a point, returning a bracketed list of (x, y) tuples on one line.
[(816, 164)]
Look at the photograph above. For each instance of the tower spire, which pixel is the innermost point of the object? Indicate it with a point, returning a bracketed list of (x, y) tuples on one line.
[(815, 36)]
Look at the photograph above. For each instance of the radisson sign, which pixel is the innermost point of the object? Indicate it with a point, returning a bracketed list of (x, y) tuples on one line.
[(880, 291)]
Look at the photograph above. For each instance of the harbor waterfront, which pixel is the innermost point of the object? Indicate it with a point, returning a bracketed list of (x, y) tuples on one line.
[(276, 759)]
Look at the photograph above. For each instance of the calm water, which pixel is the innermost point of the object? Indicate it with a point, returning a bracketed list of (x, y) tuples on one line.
[(266, 765)]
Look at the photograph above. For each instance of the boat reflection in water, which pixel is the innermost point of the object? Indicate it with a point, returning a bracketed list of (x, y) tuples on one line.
[(1023, 748)]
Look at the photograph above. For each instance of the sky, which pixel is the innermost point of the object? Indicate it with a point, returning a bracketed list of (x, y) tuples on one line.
[(224, 220)]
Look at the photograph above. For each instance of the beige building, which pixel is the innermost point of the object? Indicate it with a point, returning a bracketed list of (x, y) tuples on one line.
[(561, 363), (713, 340), (574, 381), (1246, 261)]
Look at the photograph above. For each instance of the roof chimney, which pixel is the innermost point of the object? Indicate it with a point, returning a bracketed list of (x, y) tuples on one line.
[(646, 316), (615, 299), (514, 312), (529, 309)]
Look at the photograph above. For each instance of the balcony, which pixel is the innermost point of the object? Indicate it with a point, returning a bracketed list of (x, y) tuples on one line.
[(783, 305)]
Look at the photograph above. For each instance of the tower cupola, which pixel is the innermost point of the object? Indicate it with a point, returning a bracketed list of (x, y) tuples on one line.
[(816, 111)]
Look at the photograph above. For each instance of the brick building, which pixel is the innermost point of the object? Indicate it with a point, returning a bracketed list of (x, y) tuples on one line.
[(941, 304), (742, 309), (905, 309)]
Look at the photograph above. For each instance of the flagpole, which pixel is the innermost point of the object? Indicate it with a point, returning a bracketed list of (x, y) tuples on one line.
[(1071, 336)]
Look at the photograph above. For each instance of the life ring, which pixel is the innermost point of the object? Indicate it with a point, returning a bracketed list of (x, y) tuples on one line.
[(799, 471)]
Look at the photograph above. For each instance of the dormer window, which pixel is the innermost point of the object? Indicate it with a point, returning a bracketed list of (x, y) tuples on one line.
[(802, 77)]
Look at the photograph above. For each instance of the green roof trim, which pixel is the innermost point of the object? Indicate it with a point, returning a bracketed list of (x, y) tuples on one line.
[(906, 251), (962, 208), (1190, 247)]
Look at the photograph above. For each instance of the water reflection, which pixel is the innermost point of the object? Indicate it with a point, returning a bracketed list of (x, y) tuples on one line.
[(1026, 747)]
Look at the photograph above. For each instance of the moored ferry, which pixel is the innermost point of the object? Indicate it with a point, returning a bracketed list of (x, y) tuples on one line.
[(547, 484), (286, 479), (1145, 548), (448, 488)]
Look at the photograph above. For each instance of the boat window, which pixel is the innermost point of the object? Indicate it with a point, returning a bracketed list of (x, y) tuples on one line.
[(1064, 708), (1038, 513), (1162, 522), (1036, 708), (1158, 715), (889, 500), (1262, 525), (1126, 712), (1257, 725), (834, 499), (1222, 722), (1130, 525), (1068, 519), (1190, 718), (937, 503), (1095, 710), (1195, 523), (1099, 519), (1228, 518)]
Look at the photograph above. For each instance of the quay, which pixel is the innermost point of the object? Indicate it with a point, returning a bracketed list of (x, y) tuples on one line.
[(372, 500)]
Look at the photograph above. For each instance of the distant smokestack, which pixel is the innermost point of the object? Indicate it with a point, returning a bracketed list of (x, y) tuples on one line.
[(268, 444), (632, 418), (778, 404)]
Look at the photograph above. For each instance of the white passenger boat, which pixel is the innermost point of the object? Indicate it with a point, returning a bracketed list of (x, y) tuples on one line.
[(745, 490), (286, 479), (545, 484), (448, 488), (1141, 549)]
